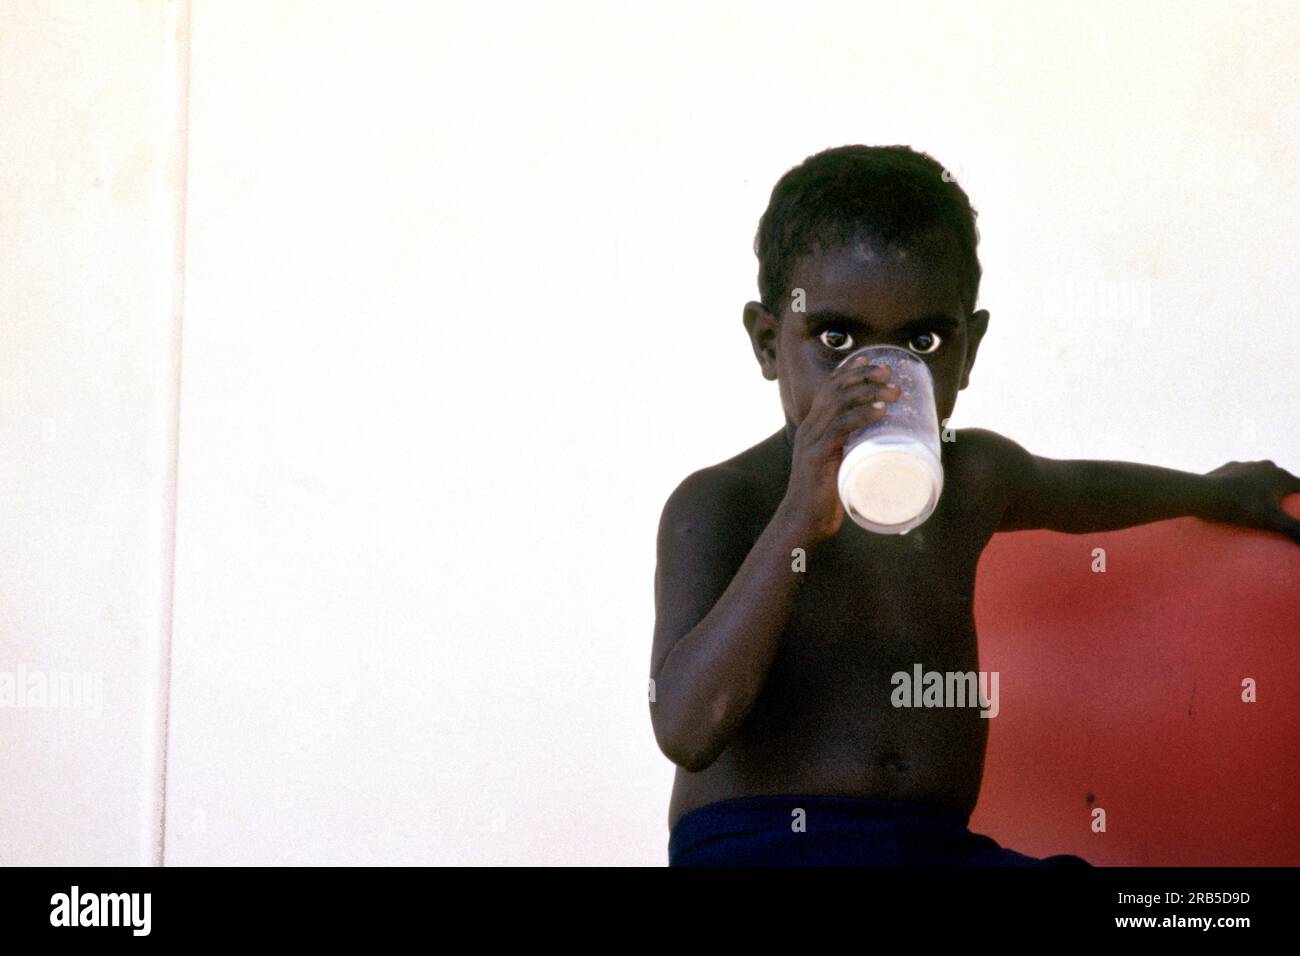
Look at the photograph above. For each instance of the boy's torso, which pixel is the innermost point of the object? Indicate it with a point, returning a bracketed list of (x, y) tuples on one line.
[(870, 606)]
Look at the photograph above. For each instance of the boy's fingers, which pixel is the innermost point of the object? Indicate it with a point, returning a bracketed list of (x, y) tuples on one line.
[(854, 371), (859, 391), (853, 389), (851, 419)]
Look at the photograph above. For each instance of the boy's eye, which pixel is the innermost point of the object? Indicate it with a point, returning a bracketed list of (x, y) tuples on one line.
[(837, 340), (930, 342)]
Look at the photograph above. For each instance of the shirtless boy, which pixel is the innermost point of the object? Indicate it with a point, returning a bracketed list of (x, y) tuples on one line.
[(772, 685)]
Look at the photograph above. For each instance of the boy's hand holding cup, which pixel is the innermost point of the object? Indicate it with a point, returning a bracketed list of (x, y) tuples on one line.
[(869, 447)]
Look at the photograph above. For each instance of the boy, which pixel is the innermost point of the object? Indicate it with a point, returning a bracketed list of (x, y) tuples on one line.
[(771, 672)]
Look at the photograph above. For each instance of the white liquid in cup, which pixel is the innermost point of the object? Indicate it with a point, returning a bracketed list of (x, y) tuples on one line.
[(892, 474)]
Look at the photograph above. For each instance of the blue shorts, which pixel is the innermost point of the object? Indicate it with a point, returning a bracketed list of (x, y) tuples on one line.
[(837, 831)]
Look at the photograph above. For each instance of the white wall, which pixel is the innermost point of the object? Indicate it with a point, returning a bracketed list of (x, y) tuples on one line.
[(90, 178), (463, 298)]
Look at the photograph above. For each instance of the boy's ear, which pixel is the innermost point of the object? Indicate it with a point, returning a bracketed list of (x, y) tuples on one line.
[(762, 329), (976, 325)]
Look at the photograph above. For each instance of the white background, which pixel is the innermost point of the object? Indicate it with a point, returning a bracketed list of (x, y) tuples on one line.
[(461, 305)]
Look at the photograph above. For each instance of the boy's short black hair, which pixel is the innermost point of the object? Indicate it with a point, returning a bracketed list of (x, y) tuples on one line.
[(885, 194)]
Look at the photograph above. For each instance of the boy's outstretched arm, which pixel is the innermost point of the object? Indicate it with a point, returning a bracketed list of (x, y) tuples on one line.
[(1080, 495)]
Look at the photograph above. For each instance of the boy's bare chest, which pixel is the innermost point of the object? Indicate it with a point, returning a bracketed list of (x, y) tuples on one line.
[(872, 604)]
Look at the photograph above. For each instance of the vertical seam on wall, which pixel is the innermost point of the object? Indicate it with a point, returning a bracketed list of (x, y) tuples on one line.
[(184, 27)]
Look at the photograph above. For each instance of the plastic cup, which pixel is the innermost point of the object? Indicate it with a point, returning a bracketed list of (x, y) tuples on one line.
[(891, 476)]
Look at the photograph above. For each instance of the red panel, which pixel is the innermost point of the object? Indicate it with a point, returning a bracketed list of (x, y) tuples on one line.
[(1126, 687)]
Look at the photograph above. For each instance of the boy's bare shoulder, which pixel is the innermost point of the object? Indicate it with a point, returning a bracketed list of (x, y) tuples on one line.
[(992, 469), (985, 453), (978, 448), (714, 516), (739, 493), (709, 524)]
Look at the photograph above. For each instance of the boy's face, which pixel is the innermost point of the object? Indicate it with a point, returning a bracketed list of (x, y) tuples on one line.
[(866, 294)]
